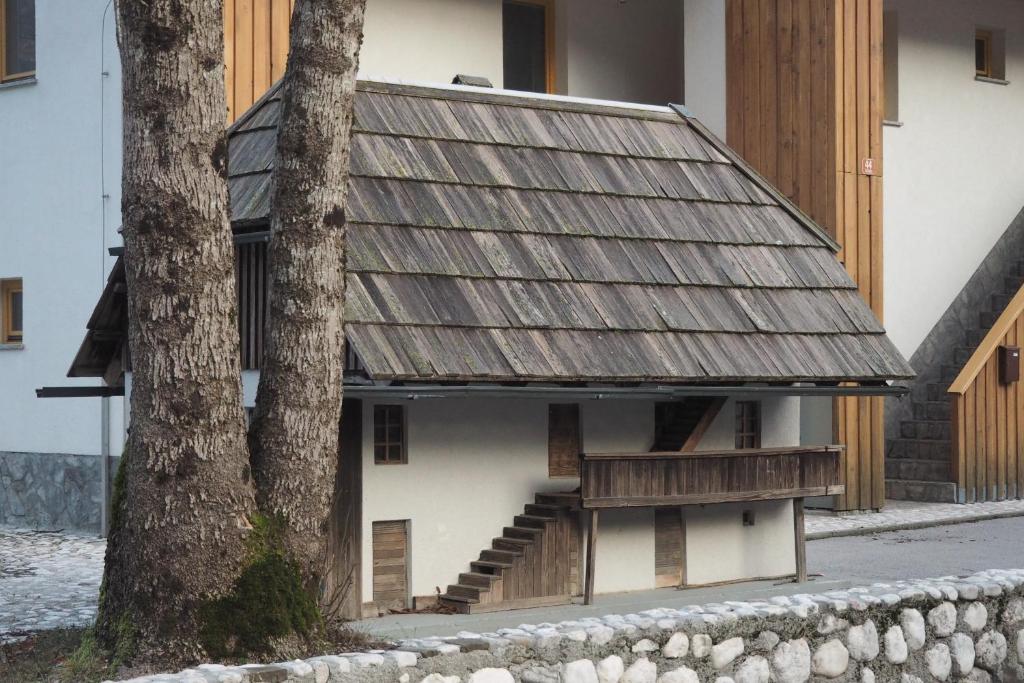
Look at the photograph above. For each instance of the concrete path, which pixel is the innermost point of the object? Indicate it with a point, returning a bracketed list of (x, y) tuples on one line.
[(49, 579), (839, 563)]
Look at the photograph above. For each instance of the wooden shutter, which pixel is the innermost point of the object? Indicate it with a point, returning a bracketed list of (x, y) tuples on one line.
[(668, 547), (391, 565), (564, 440)]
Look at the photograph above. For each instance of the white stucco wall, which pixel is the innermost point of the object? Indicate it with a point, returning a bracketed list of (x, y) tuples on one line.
[(704, 75), (474, 463), (60, 152), (952, 171)]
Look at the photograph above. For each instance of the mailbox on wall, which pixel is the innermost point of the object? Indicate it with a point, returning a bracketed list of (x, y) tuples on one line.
[(1009, 364)]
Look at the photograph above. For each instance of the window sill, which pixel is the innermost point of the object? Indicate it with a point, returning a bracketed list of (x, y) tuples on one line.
[(21, 82), (993, 81), (17, 346), (893, 124)]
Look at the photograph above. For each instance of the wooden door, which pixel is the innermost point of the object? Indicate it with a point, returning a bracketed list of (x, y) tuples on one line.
[(391, 565), (564, 443), (668, 547), (343, 581)]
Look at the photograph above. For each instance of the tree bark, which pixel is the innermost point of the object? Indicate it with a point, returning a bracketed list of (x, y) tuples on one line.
[(294, 435), (184, 500)]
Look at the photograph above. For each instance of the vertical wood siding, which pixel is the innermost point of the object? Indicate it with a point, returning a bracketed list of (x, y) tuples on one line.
[(804, 107), (987, 440), (255, 49)]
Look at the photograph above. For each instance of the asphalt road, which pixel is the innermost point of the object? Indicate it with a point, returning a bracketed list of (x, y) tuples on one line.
[(836, 564)]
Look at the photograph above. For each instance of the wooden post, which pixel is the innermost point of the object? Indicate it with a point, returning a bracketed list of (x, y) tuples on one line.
[(801, 540), (588, 595)]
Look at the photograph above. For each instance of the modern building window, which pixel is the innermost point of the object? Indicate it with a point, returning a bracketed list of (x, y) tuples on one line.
[(891, 66), (748, 424), (17, 39), (989, 54), (389, 435), (12, 311), (528, 44)]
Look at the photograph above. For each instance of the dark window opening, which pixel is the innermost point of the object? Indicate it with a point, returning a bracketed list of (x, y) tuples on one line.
[(389, 435), (983, 53), (748, 424), (564, 440), (526, 37), (17, 39)]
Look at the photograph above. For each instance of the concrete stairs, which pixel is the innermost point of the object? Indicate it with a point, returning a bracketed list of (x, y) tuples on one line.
[(918, 464), (533, 563)]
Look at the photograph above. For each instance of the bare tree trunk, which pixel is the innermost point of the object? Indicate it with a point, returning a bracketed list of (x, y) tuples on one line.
[(294, 436), (184, 500)]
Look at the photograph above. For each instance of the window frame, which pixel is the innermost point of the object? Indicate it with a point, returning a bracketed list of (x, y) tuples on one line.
[(987, 37), (8, 288), (387, 444), (4, 76), (549, 39), (748, 414)]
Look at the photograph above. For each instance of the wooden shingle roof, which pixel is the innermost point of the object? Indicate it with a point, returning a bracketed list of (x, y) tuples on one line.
[(495, 237)]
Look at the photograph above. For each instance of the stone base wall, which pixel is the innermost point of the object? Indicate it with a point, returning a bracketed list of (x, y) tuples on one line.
[(948, 629), (50, 491)]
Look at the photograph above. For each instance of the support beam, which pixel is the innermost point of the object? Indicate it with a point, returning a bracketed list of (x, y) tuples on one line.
[(801, 540), (588, 593)]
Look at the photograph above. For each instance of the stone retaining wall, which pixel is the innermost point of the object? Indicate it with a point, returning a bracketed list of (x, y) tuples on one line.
[(948, 629), (51, 491)]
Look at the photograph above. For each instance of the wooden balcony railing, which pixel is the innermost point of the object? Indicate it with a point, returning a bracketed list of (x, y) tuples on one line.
[(610, 480)]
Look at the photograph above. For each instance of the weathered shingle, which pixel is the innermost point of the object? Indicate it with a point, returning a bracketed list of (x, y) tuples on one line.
[(503, 238)]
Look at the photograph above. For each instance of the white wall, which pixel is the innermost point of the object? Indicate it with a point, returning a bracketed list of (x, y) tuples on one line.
[(704, 38), (474, 463), (953, 171), (60, 142)]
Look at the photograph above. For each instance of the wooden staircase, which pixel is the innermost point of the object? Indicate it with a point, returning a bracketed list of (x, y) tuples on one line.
[(535, 562)]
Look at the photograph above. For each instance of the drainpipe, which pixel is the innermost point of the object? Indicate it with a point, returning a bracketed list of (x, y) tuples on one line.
[(104, 465)]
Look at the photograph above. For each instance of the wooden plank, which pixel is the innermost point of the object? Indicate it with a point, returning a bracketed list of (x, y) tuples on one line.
[(801, 540), (786, 93), (734, 69), (981, 443), (668, 547), (852, 442), (1000, 428), (863, 435), (261, 29), (969, 438), (279, 32), (991, 419), (1019, 399), (1012, 426), (704, 423), (229, 59), (751, 149), (707, 499), (244, 94), (564, 440), (957, 444), (768, 63), (588, 594), (877, 452), (390, 564)]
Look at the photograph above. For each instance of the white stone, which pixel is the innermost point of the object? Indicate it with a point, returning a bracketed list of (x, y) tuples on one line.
[(976, 616), (991, 650), (913, 628), (491, 676), (867, 676), (723, 654), (939, 661), (978, 676), (1020, 647), (404, 678), (601, 635), (961, 647), (677, 646), (791, 662), (642, 670), (910, 678), (724, 679), (1014, 612), (681, 675), (610, 669), (831, 660), (895, 645), (830, 624), (700, 645), (364, 661), (402, 659), (862, 641), (580, 671), (753, 670), (644, 646), (943, 620), (438, 678), (298, 668), (765, 641)]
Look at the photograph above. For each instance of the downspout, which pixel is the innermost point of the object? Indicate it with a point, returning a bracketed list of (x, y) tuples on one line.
[(104, 198)]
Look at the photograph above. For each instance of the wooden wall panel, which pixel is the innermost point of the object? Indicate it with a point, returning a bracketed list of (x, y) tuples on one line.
[(255, 49), (804, 107)]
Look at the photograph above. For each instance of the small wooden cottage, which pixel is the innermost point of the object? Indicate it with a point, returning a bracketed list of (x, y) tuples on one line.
[(577, 333)]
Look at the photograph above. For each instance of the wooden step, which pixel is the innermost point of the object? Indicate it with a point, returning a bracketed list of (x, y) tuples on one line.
[(458, 603), (924, 491), (478, 579), (495, 555), (464, 591), (516, 545), (533, 521), (525, 532), (492, 567), (569, 500), (543, 510)]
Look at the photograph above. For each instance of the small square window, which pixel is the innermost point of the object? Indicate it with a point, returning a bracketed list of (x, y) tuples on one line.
[(12, 311), (983, 53), (389, 435), (17, 39), (748, 424)]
